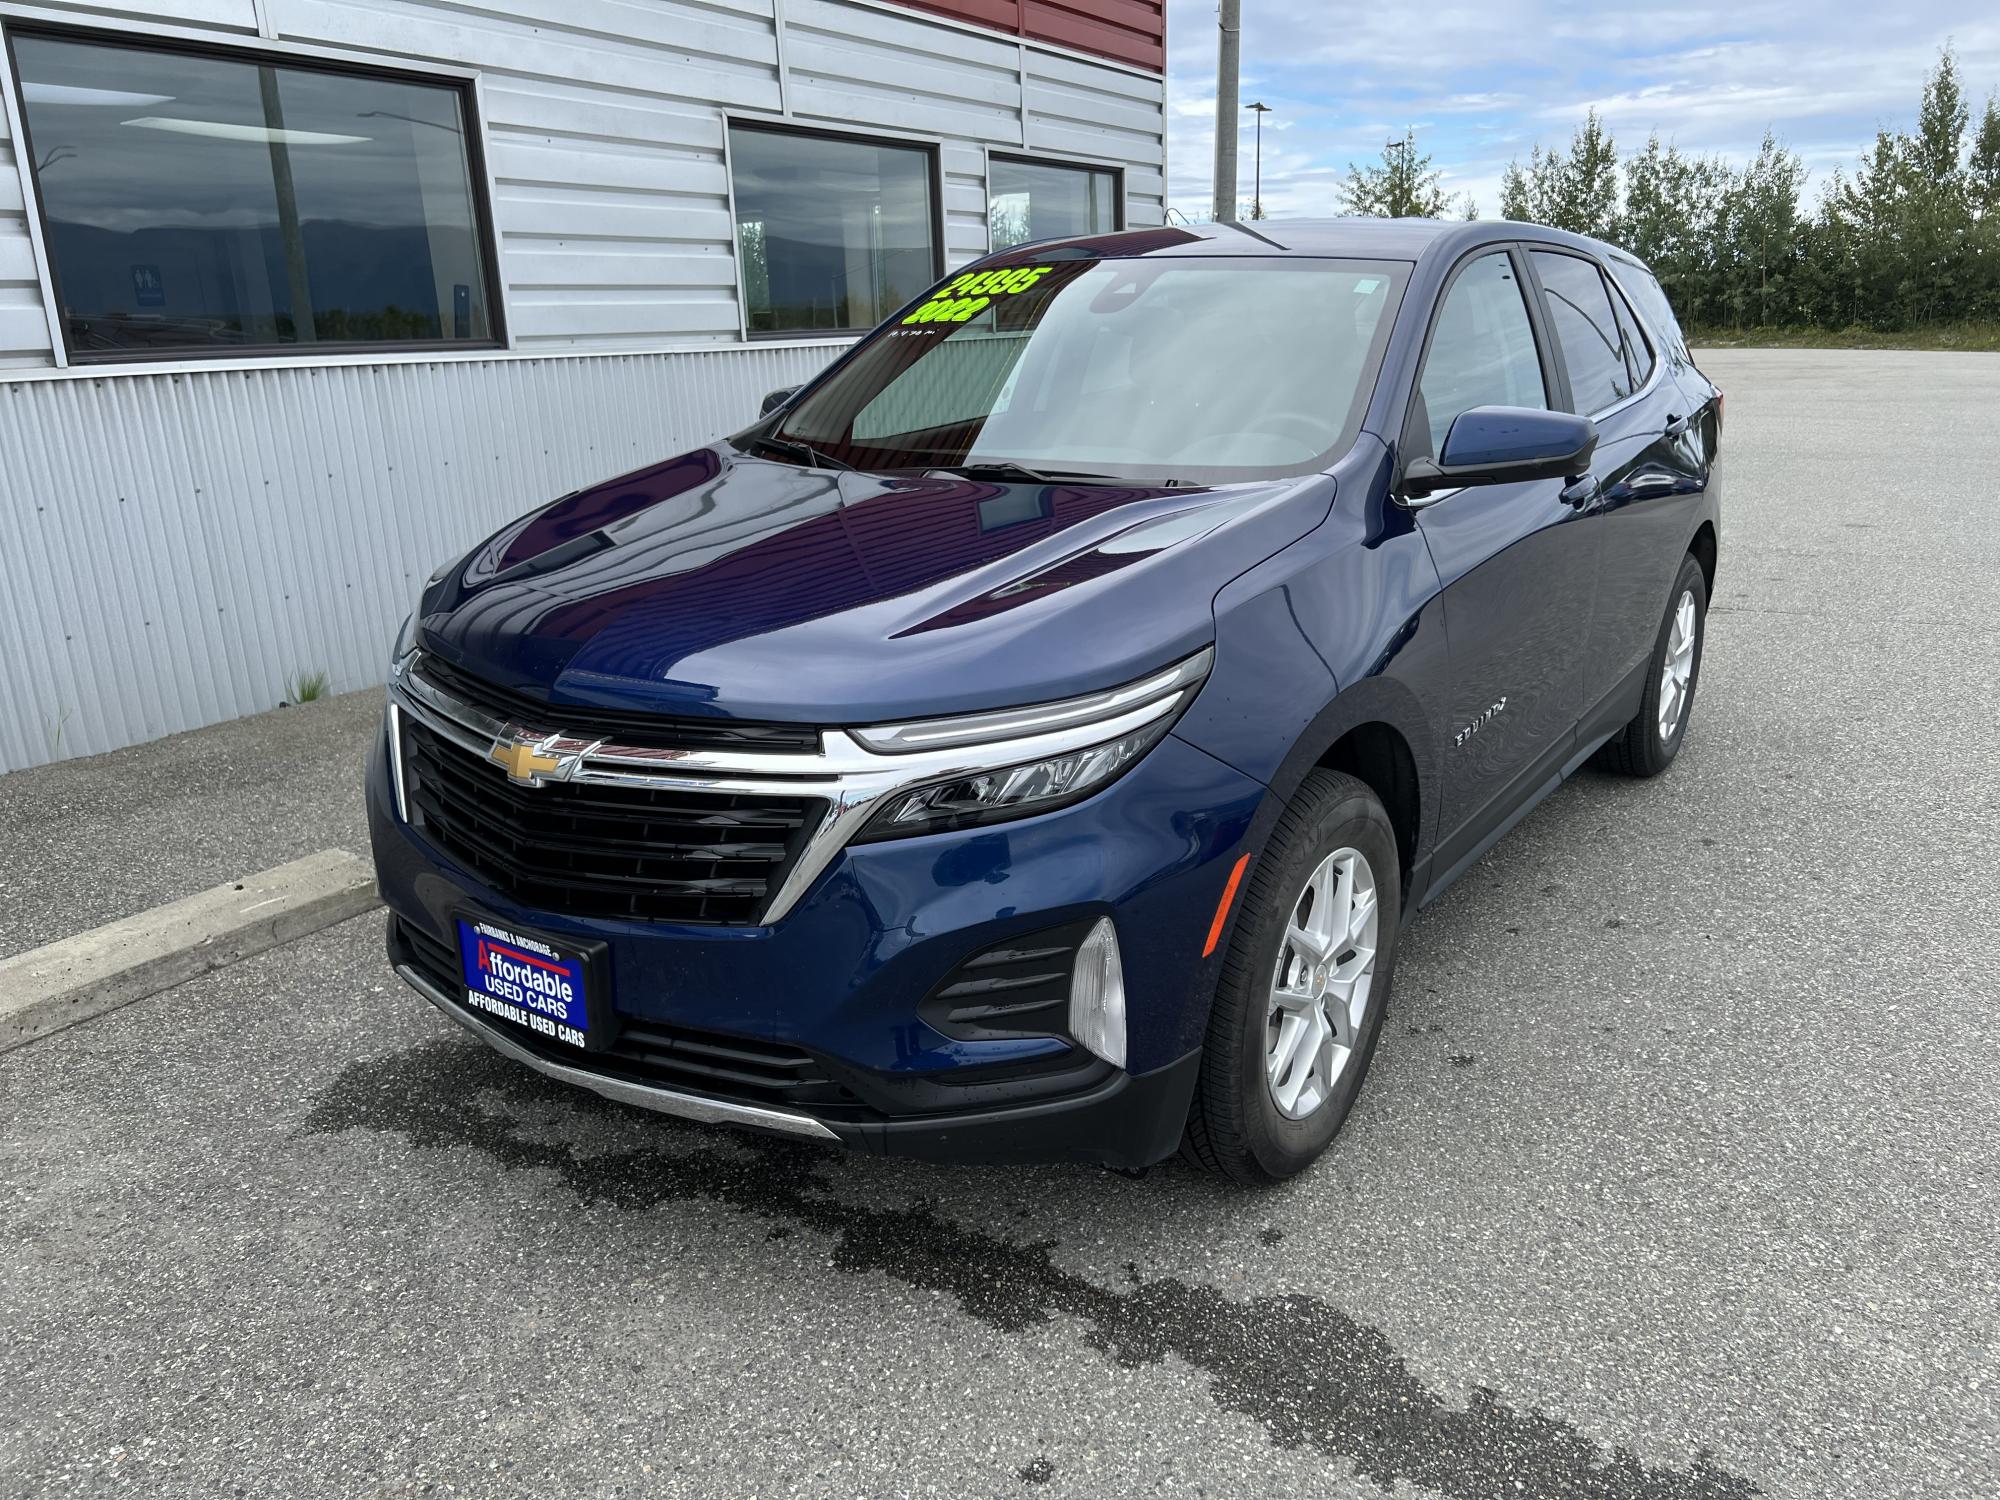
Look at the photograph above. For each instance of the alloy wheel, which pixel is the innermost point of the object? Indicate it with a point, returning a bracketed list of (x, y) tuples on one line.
[(1320, 988), (1677, 671)]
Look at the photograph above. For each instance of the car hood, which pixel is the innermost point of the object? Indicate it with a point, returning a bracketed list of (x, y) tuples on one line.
[(722, 584)]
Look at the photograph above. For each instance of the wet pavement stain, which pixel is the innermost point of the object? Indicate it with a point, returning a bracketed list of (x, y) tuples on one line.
[(1303, 1369)]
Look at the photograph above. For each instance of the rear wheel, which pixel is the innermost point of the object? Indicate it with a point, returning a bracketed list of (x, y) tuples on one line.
[(1648, 745), (1303, 988)]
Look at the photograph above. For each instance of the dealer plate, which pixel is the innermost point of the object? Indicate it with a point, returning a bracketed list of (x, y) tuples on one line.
[(524, 980)]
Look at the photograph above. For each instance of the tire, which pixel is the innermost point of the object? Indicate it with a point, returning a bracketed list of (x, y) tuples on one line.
[(1640, 748), (1237, 1126)]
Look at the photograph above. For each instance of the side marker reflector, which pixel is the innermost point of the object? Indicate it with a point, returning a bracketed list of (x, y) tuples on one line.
[(1222, 907)]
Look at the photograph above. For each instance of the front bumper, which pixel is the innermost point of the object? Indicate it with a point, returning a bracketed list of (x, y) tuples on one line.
[(841, 977), (1124, 1121)]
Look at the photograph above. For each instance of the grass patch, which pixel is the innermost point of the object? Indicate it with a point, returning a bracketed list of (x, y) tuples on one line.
[(1947, 336), (307, 687)]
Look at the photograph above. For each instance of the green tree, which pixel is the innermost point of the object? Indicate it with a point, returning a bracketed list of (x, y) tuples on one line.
[(1402, 185), (1937, 222), (1984, 167), (1856, 238), (1909, 237), (1578, 192), (1589, 182), (1983, 195), (1670, 220), (1758, 220)]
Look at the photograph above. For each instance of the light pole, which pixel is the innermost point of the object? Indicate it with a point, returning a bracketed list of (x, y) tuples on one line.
[(1228, 53), (1257, 198)]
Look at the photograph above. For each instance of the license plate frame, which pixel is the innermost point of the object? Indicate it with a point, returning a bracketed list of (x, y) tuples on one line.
[(522, 989)]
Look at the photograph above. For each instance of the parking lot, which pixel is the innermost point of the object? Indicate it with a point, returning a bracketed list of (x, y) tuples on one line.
[(1677, 1175)]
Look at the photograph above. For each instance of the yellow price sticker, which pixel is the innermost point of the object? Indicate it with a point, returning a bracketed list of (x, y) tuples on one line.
[(965, 297)]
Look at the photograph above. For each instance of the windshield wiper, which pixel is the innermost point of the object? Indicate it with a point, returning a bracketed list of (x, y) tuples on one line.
[(1006, 468), (798, 452)]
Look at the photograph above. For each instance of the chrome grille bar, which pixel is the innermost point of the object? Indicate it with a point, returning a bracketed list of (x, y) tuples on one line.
[(850, 779)]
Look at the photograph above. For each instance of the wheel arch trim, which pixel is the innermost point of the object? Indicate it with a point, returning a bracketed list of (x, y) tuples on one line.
[(1371, 701)]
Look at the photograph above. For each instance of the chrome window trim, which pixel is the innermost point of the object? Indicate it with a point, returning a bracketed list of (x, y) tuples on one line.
[(850, 778)]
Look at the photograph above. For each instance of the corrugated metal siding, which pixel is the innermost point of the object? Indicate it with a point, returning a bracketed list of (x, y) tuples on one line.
[(179, 545), (897, 72), (223, 15), (604, 135), (1128, 31), (604, 139), (24, 326)]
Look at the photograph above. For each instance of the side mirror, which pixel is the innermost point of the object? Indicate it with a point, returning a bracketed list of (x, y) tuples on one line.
[(1504, 444), (777, 399)]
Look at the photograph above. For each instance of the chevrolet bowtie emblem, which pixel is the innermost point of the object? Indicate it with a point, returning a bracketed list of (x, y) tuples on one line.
[(535, 762)]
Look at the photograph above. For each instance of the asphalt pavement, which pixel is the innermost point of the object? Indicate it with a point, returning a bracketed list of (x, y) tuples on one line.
[(1677, 1176), (89, 841)]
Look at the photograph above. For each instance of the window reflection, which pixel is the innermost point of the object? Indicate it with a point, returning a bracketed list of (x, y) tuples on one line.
[(1039, 201), (834, 234), (1580, 312), (205, 203), (1482, 350)]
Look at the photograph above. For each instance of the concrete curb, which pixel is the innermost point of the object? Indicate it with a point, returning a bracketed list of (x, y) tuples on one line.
[(49, 988)]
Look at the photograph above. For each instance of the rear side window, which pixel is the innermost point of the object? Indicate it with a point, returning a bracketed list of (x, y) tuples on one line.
[(1482, 350), (1586, 329), (1651, 299), (1638, 357)]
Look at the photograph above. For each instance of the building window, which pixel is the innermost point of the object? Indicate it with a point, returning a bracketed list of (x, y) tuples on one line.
[(1038, 200), (201, 203), (833, 233)]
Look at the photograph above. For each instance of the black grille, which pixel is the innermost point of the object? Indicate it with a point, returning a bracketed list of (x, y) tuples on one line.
[(625, 726), (1016, 988), (741, 1069), (652, 854), (756, 1072)]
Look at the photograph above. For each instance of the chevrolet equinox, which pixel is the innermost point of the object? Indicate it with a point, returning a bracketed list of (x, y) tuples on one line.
[(1029, 739)]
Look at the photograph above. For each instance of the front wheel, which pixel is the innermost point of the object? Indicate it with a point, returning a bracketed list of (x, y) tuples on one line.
[(1648, 745), (1303, 988)]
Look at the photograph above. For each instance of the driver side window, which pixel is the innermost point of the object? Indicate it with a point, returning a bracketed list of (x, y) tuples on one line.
[(1482, 351)]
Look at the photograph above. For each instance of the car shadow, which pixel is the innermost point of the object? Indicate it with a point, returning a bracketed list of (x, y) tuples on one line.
[(1304, 1369)]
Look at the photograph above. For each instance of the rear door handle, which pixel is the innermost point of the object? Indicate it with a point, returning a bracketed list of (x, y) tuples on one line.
[(1678, 425), (1581, 491)]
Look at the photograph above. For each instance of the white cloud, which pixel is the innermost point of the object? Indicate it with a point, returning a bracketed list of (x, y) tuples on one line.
[(1483, 83)]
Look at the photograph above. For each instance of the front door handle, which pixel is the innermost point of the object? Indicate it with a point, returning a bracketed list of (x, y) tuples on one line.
[(1580, 492)]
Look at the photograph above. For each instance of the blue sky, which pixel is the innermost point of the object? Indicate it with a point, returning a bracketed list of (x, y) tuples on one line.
[(1482, 83)]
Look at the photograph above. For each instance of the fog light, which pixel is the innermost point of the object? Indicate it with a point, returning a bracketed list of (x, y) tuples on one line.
[(1097, 995)]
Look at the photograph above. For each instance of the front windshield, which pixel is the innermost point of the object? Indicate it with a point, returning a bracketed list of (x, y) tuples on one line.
[(1198, 371)]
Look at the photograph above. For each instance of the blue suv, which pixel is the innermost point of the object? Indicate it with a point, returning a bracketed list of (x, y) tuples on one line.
[(1030, 738)]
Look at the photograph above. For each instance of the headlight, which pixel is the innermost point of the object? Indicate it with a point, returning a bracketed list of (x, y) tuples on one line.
[(1165, 692), (998, 775), (1013, 792)]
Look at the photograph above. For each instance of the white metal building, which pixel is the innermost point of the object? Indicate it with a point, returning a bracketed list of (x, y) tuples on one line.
[(298, 297)]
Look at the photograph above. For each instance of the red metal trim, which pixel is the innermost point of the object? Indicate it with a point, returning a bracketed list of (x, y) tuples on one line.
[(1126, 31)]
